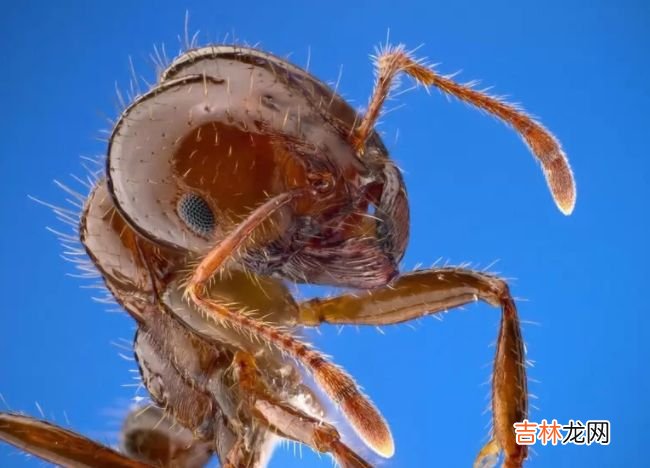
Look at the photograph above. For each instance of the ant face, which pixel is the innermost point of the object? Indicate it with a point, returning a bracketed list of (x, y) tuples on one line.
[(226, 129)]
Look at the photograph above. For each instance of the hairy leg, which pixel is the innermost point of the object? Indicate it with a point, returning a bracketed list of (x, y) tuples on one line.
[(286, 420), (58, 445), (431, 291)]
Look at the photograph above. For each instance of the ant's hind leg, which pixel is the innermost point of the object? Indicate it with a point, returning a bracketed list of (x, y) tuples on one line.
[(436, 290), (288, 421)]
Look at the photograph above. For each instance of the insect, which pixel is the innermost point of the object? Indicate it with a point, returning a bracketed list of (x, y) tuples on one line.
[(236, 173)]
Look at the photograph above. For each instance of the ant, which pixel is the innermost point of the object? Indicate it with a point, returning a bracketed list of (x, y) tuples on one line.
[(236, 173)]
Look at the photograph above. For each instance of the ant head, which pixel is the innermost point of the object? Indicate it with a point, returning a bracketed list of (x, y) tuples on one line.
[(225, 129)]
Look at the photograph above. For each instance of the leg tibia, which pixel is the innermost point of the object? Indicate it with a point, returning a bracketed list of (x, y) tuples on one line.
[(409, 297), (428, 292)]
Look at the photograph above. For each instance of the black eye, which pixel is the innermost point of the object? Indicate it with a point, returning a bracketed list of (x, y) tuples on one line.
[(196, 214)]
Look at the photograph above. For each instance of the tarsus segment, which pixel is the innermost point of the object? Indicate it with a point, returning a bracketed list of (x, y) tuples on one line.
[(431, 291)]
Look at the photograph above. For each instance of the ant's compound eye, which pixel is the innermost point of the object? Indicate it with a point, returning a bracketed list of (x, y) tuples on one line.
[(220, 123), (196, 214)]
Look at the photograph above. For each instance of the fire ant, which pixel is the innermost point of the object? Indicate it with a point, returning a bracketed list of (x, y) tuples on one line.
[(235, 173)]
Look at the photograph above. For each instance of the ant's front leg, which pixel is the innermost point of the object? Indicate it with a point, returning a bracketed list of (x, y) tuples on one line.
[(428, 292), (286, 420)]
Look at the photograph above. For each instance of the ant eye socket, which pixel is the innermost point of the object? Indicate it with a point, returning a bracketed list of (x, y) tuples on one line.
[(196, 214)]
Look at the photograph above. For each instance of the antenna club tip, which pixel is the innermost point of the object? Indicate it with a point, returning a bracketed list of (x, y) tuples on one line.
[(387, 448), (566, 202), (369, 425), (561, 184), (566, 207)]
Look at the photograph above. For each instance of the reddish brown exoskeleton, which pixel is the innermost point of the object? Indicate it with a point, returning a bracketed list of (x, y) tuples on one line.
[(238, 171)]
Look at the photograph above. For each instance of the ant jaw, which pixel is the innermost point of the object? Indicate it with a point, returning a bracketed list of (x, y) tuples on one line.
[(322, 183)]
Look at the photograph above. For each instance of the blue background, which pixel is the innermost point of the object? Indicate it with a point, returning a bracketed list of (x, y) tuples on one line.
[(476, 196)]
